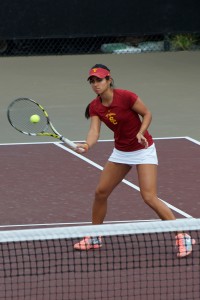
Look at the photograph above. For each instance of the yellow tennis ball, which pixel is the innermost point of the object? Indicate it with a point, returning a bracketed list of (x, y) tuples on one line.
[(34, 119)]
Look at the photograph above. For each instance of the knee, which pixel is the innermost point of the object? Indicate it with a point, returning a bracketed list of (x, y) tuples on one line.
[(101, 193), (149, 198)]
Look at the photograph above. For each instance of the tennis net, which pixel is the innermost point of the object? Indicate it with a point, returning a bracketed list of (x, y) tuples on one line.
[(137, 261)]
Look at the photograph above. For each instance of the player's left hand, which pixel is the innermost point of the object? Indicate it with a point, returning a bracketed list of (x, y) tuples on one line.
[(142, 140)]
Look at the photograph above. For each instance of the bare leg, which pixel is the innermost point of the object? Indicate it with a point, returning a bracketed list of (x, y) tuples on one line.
[(147, 175), (111, 176)]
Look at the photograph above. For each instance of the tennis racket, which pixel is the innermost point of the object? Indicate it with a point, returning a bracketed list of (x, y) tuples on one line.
[(19, 115)]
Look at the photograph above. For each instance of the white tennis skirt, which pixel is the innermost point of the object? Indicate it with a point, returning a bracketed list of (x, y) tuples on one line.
[(143, 156)]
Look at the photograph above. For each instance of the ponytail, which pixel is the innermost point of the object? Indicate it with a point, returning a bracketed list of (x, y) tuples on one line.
[(87, 111)]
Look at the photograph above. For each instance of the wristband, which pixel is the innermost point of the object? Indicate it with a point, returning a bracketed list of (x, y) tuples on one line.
[(87, 146)]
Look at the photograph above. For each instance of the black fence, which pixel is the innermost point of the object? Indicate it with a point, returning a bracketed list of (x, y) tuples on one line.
[(46, 27)]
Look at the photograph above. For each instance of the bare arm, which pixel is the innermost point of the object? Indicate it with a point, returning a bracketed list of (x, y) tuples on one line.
[(93, 134), (146, 115), (94, 131)]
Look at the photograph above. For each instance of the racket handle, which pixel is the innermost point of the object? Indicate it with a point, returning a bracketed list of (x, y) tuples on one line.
[(71, 144)]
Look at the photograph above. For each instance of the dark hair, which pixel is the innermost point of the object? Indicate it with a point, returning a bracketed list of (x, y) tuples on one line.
[(87, 110), (100, 66)]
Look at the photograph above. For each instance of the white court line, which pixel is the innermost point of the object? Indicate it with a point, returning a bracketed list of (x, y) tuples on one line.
[(81, 223), (99, 167), (109, 140), (165, 138), (77, 223), (124, 180), (192, 140)]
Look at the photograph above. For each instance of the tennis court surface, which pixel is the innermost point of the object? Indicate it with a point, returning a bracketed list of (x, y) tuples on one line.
[(46, 197)]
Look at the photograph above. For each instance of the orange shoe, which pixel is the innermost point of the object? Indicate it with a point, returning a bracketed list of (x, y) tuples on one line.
[(184, 244), (88, 243)]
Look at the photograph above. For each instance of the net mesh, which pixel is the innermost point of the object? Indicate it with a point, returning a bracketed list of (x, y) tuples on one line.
[(136, 261), (100, 44)]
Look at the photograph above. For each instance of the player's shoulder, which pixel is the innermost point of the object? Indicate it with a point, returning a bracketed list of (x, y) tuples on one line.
[(95, 101), (125, 93)]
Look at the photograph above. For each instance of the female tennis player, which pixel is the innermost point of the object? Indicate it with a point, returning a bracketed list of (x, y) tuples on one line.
[(128, 117)]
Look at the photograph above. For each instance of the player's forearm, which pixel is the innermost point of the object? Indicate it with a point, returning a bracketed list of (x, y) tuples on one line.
[(146, 121), (92, 138)]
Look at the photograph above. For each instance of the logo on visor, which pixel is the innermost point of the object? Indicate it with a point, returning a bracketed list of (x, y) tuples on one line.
[(94, 70)]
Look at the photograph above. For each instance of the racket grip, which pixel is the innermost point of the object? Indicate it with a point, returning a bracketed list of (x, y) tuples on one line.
[(71, 144)]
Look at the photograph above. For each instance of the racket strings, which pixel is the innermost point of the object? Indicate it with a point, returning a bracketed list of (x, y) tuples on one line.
[(20, 112)]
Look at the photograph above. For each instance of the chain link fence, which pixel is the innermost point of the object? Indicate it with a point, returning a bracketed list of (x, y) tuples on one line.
[(97, 45)]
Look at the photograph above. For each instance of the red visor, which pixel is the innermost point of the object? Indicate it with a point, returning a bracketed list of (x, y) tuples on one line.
[(99, 72)]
